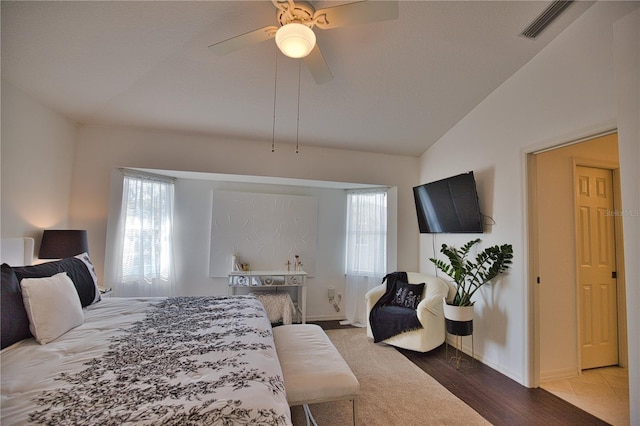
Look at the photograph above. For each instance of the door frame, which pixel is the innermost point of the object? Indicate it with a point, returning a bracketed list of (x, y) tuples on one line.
[(621, 313), (532, 246)]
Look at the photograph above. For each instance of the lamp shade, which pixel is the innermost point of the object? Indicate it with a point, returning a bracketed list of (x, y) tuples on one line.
[(58, 244), (295, 40)]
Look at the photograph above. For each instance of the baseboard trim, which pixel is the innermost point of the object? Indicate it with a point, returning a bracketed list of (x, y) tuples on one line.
[(326, 318), (561, 373), (478, 356)]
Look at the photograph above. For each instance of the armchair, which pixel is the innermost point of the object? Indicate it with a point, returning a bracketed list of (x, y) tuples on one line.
[(429, 310)]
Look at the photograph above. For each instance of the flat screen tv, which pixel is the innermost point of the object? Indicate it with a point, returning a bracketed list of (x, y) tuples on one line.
[(448, 206)]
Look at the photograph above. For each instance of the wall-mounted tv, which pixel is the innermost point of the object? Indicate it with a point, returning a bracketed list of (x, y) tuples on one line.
[(448, 206)]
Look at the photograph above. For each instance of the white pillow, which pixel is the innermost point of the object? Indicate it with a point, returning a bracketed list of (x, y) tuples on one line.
[(53, 306)]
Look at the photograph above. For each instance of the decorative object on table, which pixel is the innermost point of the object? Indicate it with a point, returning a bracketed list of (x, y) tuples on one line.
[(63, 243), (294, 279), (297, 263), (469, 276)]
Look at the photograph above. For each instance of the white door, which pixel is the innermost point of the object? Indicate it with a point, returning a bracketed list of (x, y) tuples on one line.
[(597, 296)]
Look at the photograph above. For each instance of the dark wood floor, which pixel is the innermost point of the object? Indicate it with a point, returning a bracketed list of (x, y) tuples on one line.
[(499, 399)]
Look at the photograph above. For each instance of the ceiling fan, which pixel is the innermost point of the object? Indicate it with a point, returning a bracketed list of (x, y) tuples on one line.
[(295, 36)]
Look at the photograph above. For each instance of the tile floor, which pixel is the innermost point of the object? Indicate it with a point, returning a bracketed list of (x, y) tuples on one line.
[(603, 392)]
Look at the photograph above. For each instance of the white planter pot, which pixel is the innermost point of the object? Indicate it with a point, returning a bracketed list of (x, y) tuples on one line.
[(457, 313)]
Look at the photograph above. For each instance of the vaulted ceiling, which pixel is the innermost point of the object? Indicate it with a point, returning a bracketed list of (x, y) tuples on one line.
[(398, 85)]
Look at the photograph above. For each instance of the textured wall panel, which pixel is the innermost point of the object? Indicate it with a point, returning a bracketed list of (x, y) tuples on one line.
[(264, 230)]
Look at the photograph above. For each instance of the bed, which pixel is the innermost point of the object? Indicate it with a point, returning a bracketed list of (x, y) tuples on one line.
[(181, 360)]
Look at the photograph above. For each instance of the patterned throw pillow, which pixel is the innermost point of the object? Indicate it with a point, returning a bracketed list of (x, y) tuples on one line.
[(80, 270), (407, 295)]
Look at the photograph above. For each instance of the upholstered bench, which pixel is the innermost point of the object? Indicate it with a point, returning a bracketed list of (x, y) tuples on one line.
[(313, 369)]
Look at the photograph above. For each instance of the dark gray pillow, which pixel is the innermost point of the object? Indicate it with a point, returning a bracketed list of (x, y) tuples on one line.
[(15, 322), (75, 267), (407, 295)]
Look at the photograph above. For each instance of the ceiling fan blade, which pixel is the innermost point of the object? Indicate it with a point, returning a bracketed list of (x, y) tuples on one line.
[(361, 12), (244, 40), (318, 66)]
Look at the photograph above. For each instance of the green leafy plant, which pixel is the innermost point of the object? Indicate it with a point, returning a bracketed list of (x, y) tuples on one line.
[(468, 275)]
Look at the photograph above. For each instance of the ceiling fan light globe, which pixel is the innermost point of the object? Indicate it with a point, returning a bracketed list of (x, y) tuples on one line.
[(295, 40)]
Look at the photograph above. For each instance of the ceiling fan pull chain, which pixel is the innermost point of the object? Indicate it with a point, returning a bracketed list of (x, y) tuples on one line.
[(275, 91), (298, 122)]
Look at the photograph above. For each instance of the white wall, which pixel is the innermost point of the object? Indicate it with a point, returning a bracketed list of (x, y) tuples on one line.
[(55, 175), (101, 149), (627, 76), (565, 92), (37, 157), (192, 238), (193, 210)]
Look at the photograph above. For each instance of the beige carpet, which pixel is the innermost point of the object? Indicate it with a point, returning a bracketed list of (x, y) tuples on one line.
[(393, 390)]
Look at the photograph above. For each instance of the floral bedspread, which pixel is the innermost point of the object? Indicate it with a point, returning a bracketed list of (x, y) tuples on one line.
[(175, 361)]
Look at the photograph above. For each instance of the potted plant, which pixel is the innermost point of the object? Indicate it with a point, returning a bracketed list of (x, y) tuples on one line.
[(469, 276)]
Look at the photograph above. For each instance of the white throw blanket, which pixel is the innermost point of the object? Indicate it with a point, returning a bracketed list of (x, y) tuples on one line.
[(279, 306)]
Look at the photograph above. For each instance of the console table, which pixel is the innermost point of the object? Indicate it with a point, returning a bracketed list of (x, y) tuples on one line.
[(272, 281)]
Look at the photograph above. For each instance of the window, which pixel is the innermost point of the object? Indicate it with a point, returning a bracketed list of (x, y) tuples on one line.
[(366, 251), (144, 260), (366, 233)]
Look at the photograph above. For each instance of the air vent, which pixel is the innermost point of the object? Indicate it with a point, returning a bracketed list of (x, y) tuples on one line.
[(546, 17)]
